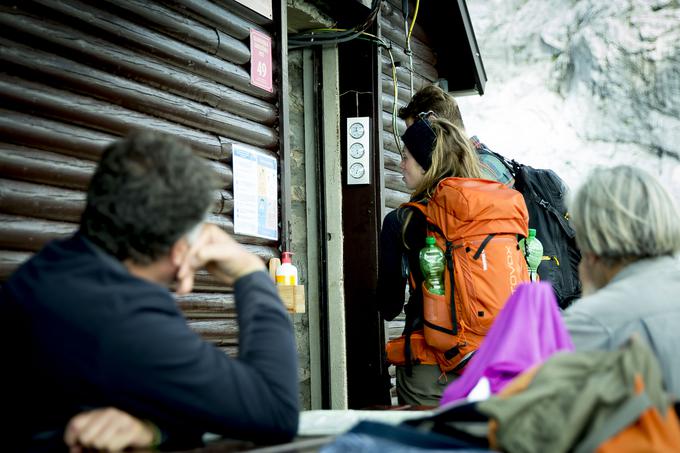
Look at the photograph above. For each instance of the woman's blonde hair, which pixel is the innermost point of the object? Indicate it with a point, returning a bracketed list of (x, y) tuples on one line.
[(452, 155), (625, 214)]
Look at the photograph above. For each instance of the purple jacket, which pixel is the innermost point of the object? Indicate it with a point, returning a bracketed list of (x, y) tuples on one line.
[(527, 331)]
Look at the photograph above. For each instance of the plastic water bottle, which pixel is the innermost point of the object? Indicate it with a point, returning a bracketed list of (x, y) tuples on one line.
[(432, 264), (533, 252)]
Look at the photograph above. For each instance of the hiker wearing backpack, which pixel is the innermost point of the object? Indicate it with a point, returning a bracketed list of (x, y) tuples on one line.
[(544, 192), (628, 228), (476, 223)]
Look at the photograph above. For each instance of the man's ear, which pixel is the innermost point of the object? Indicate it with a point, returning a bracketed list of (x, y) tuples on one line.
[(590, 258), (587, 273), (179, 250)]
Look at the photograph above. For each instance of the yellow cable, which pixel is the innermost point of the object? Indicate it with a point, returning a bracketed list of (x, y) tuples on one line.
[(413, 22)]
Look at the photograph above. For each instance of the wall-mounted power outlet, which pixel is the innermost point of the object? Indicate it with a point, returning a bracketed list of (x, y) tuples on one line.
[(358, 150)]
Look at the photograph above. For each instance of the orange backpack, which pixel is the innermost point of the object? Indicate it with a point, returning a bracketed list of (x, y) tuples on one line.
[(651, 431), (476, 223)]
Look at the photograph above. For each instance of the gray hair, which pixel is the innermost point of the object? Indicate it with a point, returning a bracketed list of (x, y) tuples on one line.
[(624, 213), (147, 192)]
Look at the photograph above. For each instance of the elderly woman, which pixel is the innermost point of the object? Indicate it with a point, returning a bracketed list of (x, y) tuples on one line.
[(628, 228)]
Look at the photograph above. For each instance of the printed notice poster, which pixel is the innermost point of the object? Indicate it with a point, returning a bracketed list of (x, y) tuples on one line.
[(255, 193), (261, 60)]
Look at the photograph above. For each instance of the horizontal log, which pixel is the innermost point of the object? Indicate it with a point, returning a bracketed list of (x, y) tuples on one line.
[(394, 199), (403, 74), (36, 200), (27, 164), (198, 305), (397, 35), (424, 69), (223, 173), (392, 160), (99, 115), (387, 118), (403, 91), (225, 204), (133, 95), (222, 18), (54, 169), (40, 201), (389, 142), (387, 87), (394, 181), (387, 123), (222, 332), (148, 69), (388, 99), (28, 234), (390, 13), (154, 43), (187, 30), (10, 261), (50, 135)]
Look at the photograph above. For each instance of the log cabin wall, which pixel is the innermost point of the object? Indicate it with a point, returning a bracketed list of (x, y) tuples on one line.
[(76, 75)]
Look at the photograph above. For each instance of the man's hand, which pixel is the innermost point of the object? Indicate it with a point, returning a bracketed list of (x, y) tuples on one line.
[(220, 254), (107, 429)]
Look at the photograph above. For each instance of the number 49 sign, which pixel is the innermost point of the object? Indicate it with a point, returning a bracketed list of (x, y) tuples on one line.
[(261, 60)]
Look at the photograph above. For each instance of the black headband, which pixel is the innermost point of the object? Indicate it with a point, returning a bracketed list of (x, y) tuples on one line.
[(420, 139)]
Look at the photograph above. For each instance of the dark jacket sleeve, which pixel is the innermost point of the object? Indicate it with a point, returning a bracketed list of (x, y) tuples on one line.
[(392, 277), (160, 369), (398, 254)]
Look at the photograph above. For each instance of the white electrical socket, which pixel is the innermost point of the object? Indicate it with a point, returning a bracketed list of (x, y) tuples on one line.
[(358, 150)]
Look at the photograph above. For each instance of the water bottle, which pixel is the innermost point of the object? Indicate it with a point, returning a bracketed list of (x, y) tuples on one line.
[(432, 264), (533, 252)]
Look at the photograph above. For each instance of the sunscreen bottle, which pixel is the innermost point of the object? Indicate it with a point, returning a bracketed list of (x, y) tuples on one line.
[(286, 274)]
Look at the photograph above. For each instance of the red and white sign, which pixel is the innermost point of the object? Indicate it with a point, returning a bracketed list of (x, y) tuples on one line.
[(261, 60)]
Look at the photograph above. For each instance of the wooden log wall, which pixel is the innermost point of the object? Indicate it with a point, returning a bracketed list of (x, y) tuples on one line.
[(77, 75)]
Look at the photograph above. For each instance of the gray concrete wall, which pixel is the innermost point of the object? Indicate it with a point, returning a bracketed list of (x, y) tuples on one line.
[(299, 218)]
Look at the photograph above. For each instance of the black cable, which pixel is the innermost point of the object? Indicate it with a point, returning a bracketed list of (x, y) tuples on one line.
[(312, 38)]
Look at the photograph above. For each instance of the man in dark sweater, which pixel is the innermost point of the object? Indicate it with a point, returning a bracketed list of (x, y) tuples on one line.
[(89, 323)]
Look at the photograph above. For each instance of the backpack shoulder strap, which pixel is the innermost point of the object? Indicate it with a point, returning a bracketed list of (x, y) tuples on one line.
[(528, 189), (511, 165), (418, 205), (421, 206)]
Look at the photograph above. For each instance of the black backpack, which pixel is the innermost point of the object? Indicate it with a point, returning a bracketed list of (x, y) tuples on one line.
[(545, 196)]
